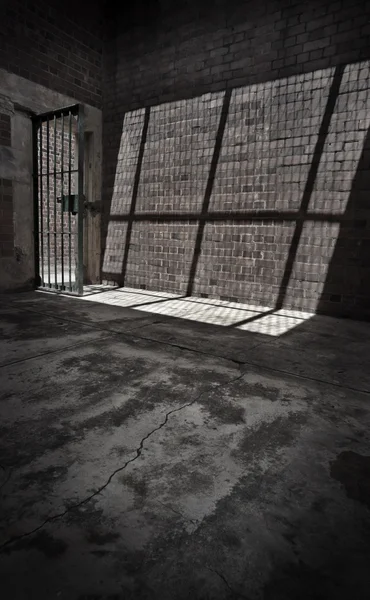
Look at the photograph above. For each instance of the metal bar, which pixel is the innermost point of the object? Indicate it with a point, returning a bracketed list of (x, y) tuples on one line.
[(80, 190), (41, 205), (61, 207), (67, 227), (66, 110), (48, 193), (36, 203), (55, 205), (64, 292), (69, 193)]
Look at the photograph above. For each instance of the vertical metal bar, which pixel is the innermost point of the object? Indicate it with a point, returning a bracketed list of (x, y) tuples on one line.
[(41, 205), (36, 202), (80, 190), (61, 195), (48, 193), (55, 205), (69, 195), (48, 225)]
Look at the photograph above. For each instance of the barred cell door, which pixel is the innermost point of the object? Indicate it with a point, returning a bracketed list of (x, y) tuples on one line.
[(58, 199)]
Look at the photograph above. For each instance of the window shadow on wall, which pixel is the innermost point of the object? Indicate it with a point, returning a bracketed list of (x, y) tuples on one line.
[(347, 287), (346, 278), (310, 183), (208, 193), (131, 215)]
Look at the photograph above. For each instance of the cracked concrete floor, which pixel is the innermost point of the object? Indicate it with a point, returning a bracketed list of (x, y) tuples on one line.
[(148, 457)]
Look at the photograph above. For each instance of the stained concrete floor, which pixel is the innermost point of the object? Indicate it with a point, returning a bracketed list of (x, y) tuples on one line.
[(149, 457)]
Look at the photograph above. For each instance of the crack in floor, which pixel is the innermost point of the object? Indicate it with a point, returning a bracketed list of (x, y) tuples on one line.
[(222, 576), (42, 354), (144, 325), (194, 522), (7, 476), (305, 377), (139, 450), (141, 337), (51, 315), (6, 479), (239, 363)]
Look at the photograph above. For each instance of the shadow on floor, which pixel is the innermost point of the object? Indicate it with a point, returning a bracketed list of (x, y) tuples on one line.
[(145, 456)]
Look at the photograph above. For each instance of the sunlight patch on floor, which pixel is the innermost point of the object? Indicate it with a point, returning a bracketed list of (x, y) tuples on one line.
[(244, 317)]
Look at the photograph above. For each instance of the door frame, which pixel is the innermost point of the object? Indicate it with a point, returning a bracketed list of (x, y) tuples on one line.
[(37, 120)]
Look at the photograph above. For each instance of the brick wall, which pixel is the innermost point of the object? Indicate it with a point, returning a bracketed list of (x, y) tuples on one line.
[(46, 47), (6, 219), (236, 153), (55, 44), (6, 197), (5, 130)]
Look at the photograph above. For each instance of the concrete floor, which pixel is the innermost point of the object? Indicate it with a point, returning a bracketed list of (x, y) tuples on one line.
[(145, 456)]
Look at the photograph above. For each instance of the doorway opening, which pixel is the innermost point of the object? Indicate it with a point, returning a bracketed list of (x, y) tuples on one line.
[(58, 138)]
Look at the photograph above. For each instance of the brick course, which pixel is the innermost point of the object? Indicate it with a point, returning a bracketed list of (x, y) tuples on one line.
[(236, 151), (55, 44), (5, 130), (6, 219)]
